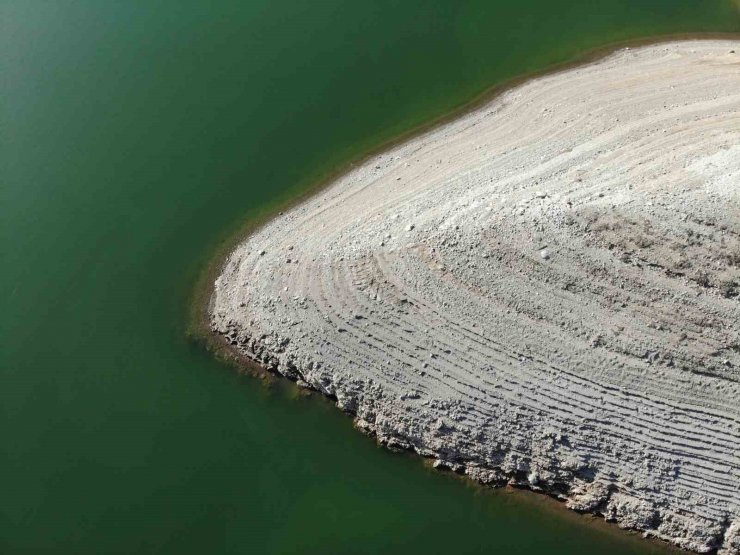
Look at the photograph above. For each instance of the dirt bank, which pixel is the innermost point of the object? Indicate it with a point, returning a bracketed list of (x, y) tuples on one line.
[(544, 291)]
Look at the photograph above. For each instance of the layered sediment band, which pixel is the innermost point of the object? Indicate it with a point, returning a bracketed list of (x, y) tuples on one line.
[(544, 291)]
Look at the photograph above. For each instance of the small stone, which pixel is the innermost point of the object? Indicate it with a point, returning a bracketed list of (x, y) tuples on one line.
[(410, 227), (262, 253), (545, 254)]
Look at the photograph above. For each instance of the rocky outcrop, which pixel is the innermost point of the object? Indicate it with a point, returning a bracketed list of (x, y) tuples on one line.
[(544, 292)]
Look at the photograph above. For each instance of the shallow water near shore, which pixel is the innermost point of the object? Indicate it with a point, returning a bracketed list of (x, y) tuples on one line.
[(137, 138)]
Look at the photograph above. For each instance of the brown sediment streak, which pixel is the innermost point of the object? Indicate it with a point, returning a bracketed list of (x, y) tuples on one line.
[(544, 291)]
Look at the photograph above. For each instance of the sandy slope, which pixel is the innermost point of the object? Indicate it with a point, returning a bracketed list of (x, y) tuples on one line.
[(545, 291)]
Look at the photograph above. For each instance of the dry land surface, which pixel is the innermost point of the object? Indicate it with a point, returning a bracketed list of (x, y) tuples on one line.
[(544, 292)]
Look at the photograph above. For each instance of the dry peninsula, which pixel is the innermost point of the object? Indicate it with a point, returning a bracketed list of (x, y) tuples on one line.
[(544, 292)]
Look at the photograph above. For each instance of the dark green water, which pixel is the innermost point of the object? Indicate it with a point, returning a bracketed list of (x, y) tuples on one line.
[(135, 136)]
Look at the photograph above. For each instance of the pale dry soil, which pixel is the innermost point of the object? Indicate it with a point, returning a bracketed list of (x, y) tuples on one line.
[(544, 292)]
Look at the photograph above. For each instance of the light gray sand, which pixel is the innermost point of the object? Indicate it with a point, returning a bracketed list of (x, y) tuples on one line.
[(543, 292)]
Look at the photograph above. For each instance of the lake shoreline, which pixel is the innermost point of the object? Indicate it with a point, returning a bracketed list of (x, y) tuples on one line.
[(198, 328), (202, 308)]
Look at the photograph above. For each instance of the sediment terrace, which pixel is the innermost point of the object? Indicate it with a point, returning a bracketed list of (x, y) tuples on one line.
[(543, 292)]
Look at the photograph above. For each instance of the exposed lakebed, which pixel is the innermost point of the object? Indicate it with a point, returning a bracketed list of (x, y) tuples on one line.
[(543, 292)]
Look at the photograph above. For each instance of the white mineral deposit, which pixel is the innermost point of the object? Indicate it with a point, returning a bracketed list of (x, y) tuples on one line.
[(543, 292)]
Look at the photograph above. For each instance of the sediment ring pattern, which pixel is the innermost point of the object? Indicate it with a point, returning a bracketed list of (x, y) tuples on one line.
[(544, 291)]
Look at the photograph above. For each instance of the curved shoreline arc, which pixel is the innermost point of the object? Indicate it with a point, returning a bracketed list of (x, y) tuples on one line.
[(197, 328), (489, 95)]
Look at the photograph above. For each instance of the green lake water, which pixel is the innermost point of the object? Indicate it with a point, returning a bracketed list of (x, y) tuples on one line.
[(138, 135)]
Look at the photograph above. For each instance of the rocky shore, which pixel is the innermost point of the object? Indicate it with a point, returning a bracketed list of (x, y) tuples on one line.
[(544, 292)]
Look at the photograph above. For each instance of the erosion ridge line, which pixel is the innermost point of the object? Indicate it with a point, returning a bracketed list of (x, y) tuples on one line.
[(543, 291)]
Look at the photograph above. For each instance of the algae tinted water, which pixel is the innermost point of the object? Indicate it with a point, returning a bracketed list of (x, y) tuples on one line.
[(138, 135)]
